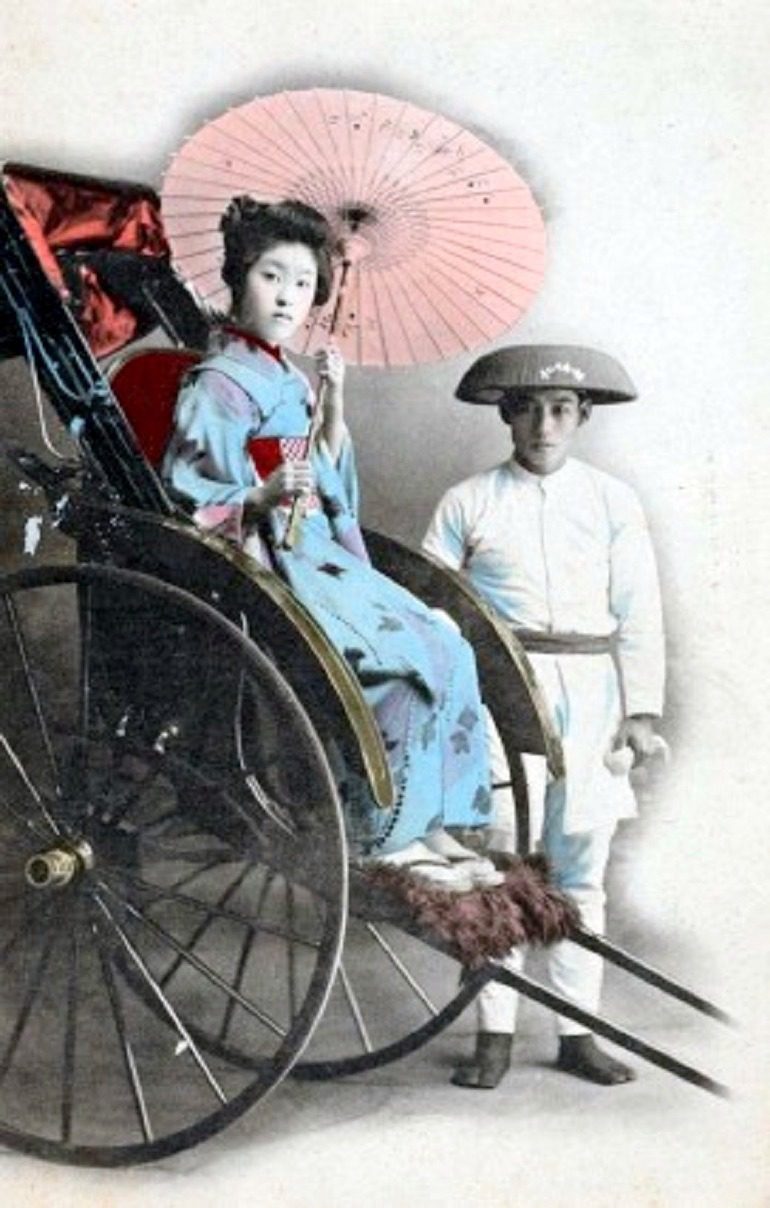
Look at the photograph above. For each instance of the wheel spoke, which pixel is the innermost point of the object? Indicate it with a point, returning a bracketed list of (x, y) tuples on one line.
[(268, 806), (408, 977), (161, 819), (35, 984), (147, 976), (170, 837), (126, 1048), (70, 1037), (246, 817), (355, 1009), (263, 800), (21, 646), (291, 951), (216, 909), (201, 966), (25, 822), (171, 855), (320, 1070), (19, 934), (85, 594), (247, 947), (197, 872), (204, 925)]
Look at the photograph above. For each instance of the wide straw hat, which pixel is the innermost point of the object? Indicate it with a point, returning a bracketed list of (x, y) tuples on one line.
[(517, 368)]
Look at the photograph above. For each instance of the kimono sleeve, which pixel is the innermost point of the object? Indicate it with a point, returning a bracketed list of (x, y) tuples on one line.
[(338, 484), (206, 463), (339, 479)]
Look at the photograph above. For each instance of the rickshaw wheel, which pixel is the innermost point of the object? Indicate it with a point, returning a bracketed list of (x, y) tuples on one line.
[(143, 848), (393, 992)]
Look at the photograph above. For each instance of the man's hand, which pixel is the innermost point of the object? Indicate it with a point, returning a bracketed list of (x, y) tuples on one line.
[(638, 733)]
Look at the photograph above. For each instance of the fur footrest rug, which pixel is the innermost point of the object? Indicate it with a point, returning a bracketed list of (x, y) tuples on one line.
[(473, 927)]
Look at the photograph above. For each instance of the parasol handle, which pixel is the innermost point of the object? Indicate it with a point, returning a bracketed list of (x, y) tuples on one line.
[(299, 505)]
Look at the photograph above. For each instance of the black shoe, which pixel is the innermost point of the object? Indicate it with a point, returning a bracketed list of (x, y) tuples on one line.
[(490, 1063), (581, 1055)]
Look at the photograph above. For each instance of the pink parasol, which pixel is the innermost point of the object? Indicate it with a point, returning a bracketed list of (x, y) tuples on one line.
[(443, 243)]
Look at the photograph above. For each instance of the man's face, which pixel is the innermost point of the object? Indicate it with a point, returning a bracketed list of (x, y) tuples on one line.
[(543, 426), (279, 292)]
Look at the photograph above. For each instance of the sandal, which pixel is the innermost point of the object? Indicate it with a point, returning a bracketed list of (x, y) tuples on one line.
[(425, 865), (442, 874)]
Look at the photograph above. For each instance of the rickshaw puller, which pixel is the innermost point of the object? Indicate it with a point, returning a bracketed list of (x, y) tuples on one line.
[(561, 550)]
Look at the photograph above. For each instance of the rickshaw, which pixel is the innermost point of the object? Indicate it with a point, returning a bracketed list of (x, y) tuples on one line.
[(182, 926)]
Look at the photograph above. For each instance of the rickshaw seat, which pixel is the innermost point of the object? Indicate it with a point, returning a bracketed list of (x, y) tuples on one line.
[(146, 384)]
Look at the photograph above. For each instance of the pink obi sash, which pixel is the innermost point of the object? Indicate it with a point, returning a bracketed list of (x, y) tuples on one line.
[(267, 453)]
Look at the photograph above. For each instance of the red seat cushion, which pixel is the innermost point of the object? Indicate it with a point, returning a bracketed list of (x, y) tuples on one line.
[(146, 384)]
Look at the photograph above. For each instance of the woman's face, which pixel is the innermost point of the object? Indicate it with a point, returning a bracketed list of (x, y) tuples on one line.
[(279, 291)]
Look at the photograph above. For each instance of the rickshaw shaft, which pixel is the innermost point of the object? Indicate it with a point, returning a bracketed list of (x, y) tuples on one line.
[(602, 1027)]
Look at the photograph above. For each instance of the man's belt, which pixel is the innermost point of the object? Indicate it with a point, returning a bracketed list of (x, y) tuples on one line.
[(536, 641)]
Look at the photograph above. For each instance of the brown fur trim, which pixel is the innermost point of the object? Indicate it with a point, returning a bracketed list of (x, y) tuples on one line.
[(473, 927)]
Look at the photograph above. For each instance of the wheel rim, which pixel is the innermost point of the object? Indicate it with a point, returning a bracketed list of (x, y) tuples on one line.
[(393, 994), (159, 882)]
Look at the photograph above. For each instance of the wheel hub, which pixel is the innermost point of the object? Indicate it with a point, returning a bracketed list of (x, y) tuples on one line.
[(59, 865)]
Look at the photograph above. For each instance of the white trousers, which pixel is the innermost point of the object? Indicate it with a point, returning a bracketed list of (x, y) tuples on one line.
[(578, 865)]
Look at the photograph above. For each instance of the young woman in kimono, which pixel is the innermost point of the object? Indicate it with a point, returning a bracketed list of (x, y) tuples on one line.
[(239, 457)]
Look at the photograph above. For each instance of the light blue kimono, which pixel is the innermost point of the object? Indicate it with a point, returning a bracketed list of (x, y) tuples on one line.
[(417, 673)]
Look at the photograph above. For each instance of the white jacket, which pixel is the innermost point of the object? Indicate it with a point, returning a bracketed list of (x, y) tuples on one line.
[(567, 552)]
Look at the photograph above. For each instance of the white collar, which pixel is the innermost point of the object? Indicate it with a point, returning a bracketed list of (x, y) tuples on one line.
[(544, 482)]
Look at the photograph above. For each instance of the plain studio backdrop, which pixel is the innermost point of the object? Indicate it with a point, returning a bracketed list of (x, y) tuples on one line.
[(640, 126)]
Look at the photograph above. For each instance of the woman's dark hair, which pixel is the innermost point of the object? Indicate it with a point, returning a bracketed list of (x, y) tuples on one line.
[(252, 227)]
